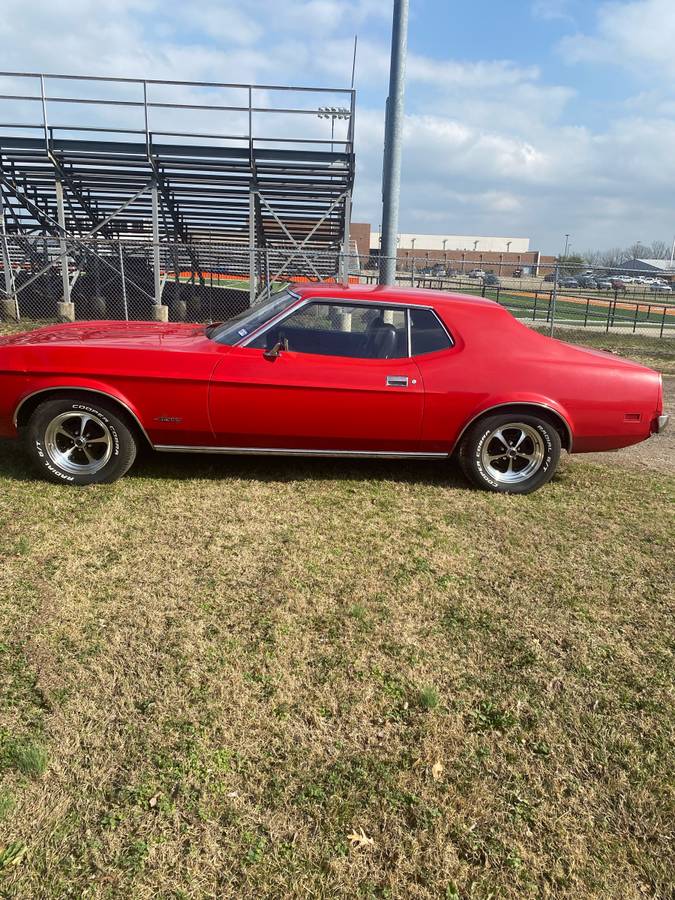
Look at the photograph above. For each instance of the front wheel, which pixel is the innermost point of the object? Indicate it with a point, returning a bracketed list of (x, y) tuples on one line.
[(510, 453), (80, 442)]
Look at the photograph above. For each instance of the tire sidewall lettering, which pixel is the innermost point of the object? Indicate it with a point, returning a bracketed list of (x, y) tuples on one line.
[(542, 474), (479, 464), (47, 464), (122, 450)]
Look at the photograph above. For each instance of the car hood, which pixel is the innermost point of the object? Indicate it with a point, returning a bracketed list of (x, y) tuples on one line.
[(106, 334)]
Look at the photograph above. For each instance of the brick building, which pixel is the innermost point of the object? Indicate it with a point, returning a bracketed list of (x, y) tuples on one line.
[(503, 255)]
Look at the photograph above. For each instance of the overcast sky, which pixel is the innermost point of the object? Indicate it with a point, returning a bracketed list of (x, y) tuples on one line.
[(531, 118)]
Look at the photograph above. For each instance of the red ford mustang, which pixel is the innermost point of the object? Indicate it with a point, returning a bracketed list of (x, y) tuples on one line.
[(324, 370)]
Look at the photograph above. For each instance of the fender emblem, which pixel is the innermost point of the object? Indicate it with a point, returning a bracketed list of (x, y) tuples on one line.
[(168, 419)]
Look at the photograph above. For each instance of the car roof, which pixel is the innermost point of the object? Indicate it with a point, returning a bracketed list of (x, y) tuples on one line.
[(381, 293)]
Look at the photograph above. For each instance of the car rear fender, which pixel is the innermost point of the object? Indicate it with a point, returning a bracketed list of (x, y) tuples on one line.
[(48, 386), (529, 402)]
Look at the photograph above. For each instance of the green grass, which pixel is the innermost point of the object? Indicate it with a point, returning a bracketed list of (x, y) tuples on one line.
[(595, 313), (216, 672), (535, 305), (232, 284)]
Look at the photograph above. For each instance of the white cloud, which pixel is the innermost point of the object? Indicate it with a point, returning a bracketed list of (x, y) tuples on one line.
[(551, 10), (486, 150), (636, 34)]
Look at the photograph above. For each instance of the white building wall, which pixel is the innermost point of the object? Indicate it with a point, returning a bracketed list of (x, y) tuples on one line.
[(456, 242)]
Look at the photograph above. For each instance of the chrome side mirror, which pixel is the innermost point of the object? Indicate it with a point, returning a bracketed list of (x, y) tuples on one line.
[(275, 352)]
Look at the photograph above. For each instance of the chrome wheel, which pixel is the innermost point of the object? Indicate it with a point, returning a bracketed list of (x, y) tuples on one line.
[(78, 442), (512, 453)]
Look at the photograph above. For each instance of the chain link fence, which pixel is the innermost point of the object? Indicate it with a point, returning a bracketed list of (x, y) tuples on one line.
[(45, 279)]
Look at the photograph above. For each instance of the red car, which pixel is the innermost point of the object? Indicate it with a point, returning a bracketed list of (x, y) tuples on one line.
[(324, 370)]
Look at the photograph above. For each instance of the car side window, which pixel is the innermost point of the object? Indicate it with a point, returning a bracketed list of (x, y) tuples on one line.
[(426, 332), (339, 329)]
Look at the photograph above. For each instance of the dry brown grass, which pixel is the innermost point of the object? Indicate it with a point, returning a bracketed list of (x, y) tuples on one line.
[(229, 666)]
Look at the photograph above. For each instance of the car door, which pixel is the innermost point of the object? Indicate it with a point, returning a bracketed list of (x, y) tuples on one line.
[(337, 399)]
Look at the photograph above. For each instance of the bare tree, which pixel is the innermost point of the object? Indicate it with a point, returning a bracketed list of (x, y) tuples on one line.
[(659, 250), (636, 251), (614, 257), (593, 257)]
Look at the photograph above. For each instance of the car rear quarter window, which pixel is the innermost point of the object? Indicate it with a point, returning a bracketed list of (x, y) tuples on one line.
[(426, 332)]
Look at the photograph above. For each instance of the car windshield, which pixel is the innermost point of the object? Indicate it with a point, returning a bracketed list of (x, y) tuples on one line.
[(240, 326)]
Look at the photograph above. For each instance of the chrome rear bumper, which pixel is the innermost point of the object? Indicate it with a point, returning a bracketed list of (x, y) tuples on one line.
[(662, 423)]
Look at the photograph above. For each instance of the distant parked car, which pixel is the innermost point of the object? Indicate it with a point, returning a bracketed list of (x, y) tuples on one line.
[(491, 279), (569, 283), (586, 281), (617, 284), (550, 276), (603, 284), (659, 288), (477, 273), (517, 273)]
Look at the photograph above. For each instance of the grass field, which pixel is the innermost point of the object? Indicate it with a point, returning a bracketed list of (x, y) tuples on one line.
[(228, 283), (593, 311), (572, 306), (269, 679)]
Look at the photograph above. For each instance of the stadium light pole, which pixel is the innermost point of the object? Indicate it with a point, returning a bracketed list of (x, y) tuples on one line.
[(393, 132)]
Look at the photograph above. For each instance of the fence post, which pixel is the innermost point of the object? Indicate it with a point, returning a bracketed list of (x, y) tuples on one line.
[(554, 297), (251, 249), (66, 309), (124, 284), (10, 303), (345, 239), (663, 322), (534, 311), (609, 311), (160, 313)]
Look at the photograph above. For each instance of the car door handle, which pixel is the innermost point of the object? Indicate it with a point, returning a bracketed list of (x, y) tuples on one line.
[(397, 381)]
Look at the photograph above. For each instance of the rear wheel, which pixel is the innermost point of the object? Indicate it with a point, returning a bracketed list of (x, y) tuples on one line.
[(510, 453), (80, 442)]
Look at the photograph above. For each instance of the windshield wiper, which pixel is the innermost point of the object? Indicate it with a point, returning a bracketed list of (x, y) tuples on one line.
[(208, 331)]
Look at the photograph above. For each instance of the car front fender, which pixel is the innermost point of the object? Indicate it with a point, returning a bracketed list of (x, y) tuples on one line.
[(36, 387)]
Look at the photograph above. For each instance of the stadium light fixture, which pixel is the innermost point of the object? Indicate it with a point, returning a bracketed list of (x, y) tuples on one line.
[(333, 112)]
